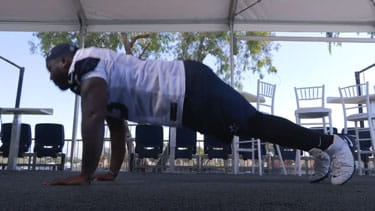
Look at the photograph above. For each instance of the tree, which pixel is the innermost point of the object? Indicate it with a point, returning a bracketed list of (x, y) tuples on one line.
[(140, 45), (252, 56), (337, 34)]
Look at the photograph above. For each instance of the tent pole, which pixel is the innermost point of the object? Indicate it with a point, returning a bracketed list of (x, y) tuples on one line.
[(81, 16), (308, 39), (235, 140), (74, 132), (231, 55), (232, 14), (76, 103)]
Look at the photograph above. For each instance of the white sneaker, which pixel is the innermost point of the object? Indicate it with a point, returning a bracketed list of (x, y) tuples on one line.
[(321, 165), (342, 160)]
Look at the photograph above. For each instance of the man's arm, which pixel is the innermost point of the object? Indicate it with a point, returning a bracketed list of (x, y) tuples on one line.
[(118, 133), (118, 138), (94, 111)]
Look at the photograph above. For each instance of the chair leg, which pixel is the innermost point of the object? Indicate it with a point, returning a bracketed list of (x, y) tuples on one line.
[(324, 125), (226, 166), (253, 156), (298, 162), (281, 159), (358, 149), (260, 162), (298, 153), (235, 159), (372, 134), (34, 162), (330, 123)]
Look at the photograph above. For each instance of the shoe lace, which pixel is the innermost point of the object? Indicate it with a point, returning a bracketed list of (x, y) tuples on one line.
[(349, 141)]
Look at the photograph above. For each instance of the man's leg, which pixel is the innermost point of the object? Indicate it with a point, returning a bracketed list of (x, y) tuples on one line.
[(284, 132), (281, 131), (213, 107), (287, 133)]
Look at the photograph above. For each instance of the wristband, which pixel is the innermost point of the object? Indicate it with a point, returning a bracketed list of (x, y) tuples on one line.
[(112, 173)]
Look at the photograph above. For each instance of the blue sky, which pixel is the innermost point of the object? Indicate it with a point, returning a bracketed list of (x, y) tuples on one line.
[(37, 90), (310, 64), (298, 64)]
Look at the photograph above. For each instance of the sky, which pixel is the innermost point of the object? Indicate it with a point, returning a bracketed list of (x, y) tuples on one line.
[(298, 64)]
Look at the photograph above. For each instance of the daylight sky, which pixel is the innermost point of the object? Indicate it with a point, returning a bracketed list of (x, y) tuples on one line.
[(298, 64)]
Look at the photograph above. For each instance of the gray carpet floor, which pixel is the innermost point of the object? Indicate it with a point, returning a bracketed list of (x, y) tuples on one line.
[(23, 190)]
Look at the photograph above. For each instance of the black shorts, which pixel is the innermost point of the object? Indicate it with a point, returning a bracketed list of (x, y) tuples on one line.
[(213, 107)]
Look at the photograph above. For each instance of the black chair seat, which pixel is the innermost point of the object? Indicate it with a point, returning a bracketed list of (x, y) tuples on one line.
[(149, 141), (25, 139)]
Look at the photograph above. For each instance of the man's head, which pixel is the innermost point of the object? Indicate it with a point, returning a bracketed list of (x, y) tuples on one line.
[(58, 62)]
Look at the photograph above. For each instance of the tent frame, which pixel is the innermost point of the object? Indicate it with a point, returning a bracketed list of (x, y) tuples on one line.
[(234, 21)]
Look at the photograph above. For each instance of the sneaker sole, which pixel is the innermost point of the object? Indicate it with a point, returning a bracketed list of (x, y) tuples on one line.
[(351, 150), (349, 177), (320, 179)]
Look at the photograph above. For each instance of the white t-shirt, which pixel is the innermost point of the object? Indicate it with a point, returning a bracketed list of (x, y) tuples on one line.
[(149, 91)]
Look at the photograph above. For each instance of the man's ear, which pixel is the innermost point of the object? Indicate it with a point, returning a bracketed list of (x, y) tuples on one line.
[(66, 61)]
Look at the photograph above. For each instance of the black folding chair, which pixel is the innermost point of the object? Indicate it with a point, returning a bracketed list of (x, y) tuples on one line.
[(186, 143), (149, 141), (25, 139), (49, 142)]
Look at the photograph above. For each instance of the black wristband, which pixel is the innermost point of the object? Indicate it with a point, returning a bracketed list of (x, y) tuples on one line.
[(112, 173)]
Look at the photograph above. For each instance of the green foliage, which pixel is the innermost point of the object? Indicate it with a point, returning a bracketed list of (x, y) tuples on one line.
[(48, 40), (330, 44), (337, 34), (252, 56), (114, 41)]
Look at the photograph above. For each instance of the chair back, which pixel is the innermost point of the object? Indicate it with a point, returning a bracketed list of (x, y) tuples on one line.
[(267, 91), (49, 139), (25, 139), (288, 153), (249, 145), (308, 97), (322, 131), (364, 138), (186, 143), (215, 148), (353, 92), (149, 141)]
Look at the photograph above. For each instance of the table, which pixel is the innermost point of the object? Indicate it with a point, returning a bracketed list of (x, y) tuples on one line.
[(16, 129), (252, 98), (42, 111), (355, 100), (352, 100)]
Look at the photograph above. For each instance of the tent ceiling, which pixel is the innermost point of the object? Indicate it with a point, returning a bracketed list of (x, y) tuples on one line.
[(188, 15)]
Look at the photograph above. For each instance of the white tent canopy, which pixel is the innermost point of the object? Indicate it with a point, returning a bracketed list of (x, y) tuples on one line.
[(188, 15)]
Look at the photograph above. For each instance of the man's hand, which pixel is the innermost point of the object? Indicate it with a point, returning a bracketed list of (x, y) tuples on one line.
[(104, 177), (73, 180)]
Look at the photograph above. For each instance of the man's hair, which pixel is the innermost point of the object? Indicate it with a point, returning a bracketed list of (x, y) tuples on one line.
[(61, 50)]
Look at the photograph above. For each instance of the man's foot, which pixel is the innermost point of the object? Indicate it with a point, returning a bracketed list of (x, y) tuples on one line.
[(342, 160), (321, 165)]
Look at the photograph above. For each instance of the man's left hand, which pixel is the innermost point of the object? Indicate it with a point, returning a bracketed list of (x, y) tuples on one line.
[(73, 180)]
